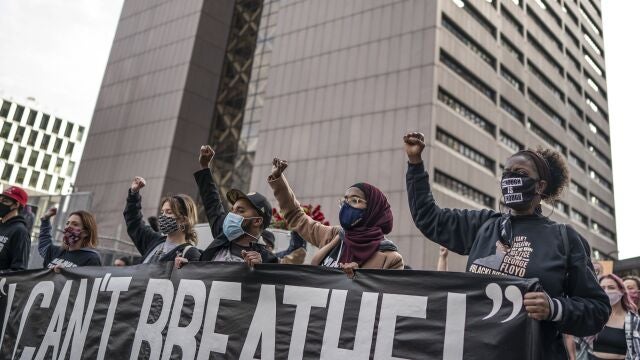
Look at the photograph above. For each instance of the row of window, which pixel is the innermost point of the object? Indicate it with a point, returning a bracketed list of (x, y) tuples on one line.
[(466, 112), (36, 139), (463, 189), (465, 150), (42, 161), (593, 199), (43, 121), (593, 225), (32, 178)]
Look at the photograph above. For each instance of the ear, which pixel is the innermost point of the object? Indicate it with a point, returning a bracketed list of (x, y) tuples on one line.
[(258, 221), (541, 187)]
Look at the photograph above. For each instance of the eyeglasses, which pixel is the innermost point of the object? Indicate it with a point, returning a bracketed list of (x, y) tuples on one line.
[(352, 200)]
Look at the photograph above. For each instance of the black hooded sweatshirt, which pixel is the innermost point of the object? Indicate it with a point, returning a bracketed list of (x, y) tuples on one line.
[(578, 305), (15, 243)]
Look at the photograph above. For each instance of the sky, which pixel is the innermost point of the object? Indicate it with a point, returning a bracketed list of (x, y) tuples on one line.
[(56, 51)]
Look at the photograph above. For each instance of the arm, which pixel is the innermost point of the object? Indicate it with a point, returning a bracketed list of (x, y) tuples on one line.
[(443, 259), (586, 309), (45, 239), (142, 235), (211, 199), (570, 345)]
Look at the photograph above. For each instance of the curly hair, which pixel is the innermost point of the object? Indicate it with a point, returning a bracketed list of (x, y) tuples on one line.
[(558, 174)]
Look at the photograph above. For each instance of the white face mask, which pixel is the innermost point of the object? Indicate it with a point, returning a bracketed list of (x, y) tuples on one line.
[(614, 297)]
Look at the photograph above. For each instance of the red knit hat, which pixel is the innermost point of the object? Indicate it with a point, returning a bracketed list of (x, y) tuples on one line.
[(17, 194)]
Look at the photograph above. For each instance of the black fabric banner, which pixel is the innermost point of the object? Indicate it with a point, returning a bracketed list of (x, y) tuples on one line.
[(227, 311)]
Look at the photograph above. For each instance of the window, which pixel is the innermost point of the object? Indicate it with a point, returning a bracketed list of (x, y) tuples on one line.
[(600, 179), (536, 129), (601, 204), (575, 160), (546, 109), (573, 38), (57, 146), (57, 124), (466, 112), (33, 136), (592, 104), (512, 49), (4, 110), (20, 156), (545, 29), (477, 16), (44, 122), (46, 184), (599, 154), (576, 134), (571, 14), (45, 162), (80, 133), (19, 135), (17, 115), (6, 172), (31, 120), (575, 109), (574, 84), (33, 182), (467, 75), (593, 65), (599, 229), (510, 142), (578, 189), (574, 61), (68, 130), (562, 207), (511, 110), (69, 148), (512, 20), (545, 80), (58, 168), (595, 7), (468, 41), (6, 151), (33, 159), (22, 173), (459, 147), (544, 6), (511, 79), (597, 130), (70, 168), (44, 143), (545, 54), (579, 217), (590, 21), (593, 44), (60, 185), (463, 189), (6, 129)]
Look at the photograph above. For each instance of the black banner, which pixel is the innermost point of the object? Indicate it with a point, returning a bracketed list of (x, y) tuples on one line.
[(227, 311)]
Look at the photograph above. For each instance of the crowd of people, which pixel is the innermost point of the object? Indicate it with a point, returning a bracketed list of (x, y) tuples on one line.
[(581, 316)]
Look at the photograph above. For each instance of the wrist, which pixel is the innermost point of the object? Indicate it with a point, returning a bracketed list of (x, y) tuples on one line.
[(415, 159)]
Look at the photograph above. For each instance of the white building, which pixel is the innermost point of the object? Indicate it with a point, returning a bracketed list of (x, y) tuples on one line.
[(38, 151)]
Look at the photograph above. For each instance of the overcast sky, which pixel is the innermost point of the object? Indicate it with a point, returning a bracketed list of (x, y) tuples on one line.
[(56, 51)]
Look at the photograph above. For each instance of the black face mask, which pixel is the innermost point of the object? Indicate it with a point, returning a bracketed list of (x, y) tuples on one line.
[(518, 191), (5, 209)]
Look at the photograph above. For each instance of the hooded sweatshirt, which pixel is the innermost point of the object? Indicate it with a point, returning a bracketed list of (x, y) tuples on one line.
[(578, 305), (56, 255), (14, 244)]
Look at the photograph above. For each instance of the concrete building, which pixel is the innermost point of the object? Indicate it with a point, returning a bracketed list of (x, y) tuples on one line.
[(335, 84), (38, 151)]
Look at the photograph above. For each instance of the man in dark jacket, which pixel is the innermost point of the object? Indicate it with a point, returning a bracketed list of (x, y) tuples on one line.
[(14, 236), (236, 233)]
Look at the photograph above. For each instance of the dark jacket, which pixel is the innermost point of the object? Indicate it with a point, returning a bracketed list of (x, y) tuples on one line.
[(14, 244), (144, 238), (579, 306), (215, 215), (56, 255)]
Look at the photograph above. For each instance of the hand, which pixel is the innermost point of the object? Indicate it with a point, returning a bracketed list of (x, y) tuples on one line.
[(251, 257), (537, 305), (349, 269), (206, 154), (278, 167), (414, 145), (138, 183), (179, 262), (57, 268), (50, 213), (444, 252)]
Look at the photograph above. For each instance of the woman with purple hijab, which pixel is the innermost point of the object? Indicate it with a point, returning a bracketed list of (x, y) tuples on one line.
[(359, 241)]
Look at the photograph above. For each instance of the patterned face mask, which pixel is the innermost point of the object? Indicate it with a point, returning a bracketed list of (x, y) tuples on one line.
[(71, 236), (518, 190), (166, 224)]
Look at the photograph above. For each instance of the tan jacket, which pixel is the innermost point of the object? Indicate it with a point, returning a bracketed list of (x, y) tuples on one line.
[(325, 238)]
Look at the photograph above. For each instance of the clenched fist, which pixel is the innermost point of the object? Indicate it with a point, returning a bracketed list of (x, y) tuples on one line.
[(206, 154), (138, 183), (414, 145)]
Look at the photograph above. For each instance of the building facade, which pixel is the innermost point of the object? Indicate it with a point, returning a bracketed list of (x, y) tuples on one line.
[(38, 151), (333, 85)]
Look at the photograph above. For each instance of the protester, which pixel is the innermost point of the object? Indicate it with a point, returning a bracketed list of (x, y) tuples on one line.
[(14, 236), (572, 301), (365, 218), (443, 264), (177, 219), (597, 267), (79, 241), (122, 261), (632, 283), (236, 234)]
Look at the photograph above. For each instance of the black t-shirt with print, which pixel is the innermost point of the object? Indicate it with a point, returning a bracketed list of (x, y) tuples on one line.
[(57, 255)]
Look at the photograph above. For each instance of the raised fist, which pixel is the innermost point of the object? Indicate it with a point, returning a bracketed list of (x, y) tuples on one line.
[(278, 167), (414, 145), (50, 213), (206, 154), (138, 183)]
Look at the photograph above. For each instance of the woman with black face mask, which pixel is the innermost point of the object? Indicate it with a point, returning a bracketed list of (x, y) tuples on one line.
[(176, 222), (359, 241), (519, 242)]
